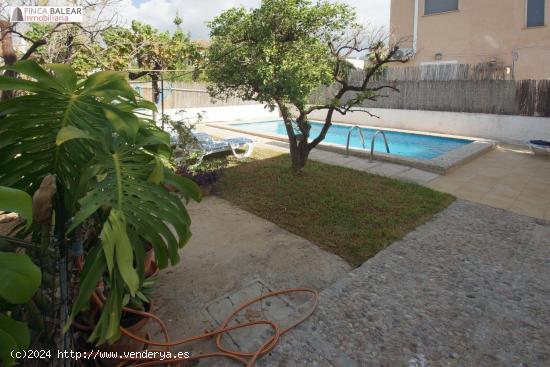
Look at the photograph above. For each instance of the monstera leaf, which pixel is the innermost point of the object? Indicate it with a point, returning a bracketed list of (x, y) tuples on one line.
[(30, 124), (108, 159)]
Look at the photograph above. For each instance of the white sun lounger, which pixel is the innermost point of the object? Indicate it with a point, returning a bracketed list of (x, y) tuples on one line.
[(208, 146)]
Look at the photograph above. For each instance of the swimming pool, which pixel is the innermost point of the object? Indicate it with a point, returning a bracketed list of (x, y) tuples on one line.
[(400, 143)]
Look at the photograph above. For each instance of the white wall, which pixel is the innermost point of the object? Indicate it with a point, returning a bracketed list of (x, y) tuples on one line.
[(509, 129), (226, 113)]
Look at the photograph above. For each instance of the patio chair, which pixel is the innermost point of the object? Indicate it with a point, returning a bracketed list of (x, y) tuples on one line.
[(207, 146)]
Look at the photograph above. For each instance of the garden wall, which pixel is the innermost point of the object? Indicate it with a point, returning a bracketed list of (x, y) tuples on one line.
[(505, 128), (225, 113)]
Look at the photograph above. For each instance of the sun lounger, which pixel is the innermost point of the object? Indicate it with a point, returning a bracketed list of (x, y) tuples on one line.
[(207, 146)]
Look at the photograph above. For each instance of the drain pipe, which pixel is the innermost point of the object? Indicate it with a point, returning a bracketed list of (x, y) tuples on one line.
[(415, 26)]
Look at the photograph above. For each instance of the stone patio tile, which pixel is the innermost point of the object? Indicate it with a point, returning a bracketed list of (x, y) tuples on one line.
[(543, 173), (538, 187), (388, 169), (362, 164), (497, 201), (332, 158), (417, 176), (441, 184), (470, 194), (531, 204), (486, 181), (522, 207), (494, 171), (506, 191), (515, 181), (463, 173)]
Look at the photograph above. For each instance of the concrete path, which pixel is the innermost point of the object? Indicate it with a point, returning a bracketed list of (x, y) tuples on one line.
[(469, 288), (230, 249)]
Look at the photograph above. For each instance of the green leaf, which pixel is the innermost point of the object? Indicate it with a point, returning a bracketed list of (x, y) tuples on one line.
[(13, 200), (123, 122), (65, 74), (7, 83), (107, 327), (184, 185), (20, 277), (90, 276), (7, 345), (70, 132), (18, 331), (157, 176), (116, 245), (32, 69)]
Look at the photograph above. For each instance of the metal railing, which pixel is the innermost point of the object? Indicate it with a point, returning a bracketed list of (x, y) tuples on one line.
[(372, 143), (349, 136)]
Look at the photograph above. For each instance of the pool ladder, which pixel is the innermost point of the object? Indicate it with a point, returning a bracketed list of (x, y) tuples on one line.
[(363, 140)]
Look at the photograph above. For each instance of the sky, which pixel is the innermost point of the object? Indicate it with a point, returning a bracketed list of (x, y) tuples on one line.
[(160, 13)]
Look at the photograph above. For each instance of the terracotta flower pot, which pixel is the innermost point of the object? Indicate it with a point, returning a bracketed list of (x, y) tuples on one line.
[(149, 263)]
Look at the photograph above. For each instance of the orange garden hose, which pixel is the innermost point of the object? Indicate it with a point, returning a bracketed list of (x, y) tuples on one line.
[(246, 358)]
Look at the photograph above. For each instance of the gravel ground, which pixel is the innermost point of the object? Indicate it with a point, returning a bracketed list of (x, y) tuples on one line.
[(469, 288)]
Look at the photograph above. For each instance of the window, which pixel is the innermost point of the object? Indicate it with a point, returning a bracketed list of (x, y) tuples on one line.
[(440, 6), (535, 13)]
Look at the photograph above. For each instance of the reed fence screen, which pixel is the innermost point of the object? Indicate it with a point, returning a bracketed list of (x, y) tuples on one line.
[(452, 88)]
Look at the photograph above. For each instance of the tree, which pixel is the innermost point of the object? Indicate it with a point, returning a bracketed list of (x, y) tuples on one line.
[(52, 43), (281, 52), (144, 50)]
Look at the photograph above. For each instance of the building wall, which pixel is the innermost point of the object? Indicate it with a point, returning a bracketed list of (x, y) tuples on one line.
[(480, 31)]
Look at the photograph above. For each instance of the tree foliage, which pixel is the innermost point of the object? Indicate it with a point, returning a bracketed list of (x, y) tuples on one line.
[(282, 51)]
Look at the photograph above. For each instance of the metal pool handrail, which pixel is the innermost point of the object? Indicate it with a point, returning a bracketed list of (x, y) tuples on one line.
[(372, 143), (349, 136)]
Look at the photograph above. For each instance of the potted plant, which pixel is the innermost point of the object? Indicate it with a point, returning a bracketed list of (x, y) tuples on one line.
[(204, 175), (150, 267), (131, 321), (110, 161)]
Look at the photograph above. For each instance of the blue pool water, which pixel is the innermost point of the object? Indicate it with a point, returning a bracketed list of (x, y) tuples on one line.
[(404, 144)]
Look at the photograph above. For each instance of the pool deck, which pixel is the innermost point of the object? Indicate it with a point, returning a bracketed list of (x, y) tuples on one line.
[(508, 177)]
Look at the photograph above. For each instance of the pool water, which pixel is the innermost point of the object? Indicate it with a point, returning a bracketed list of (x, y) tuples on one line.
[(400, 143)]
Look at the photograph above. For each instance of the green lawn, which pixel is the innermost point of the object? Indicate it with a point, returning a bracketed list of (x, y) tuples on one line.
[(350, 213)]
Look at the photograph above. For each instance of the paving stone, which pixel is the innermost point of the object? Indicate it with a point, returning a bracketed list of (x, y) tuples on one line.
[(277, 309), (362, 164), (469, 288), (416, 176), (388, 169)]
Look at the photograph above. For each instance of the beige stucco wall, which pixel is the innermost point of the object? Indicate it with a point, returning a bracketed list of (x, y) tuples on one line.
[(481, 30)]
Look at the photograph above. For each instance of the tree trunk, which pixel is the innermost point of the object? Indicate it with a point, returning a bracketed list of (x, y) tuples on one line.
[(299, 153), (299, 149)]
